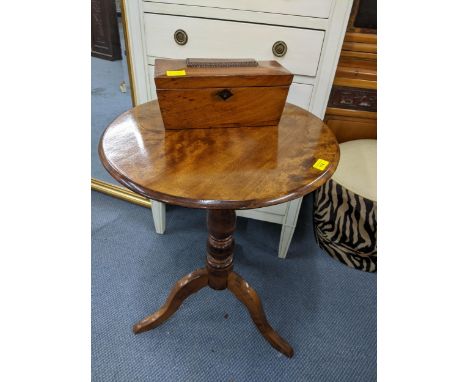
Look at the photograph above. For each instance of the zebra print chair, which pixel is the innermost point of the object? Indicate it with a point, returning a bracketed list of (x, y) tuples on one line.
[(345, 208)]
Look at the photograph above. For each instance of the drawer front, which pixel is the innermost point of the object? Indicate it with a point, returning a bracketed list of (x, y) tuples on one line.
[(312, 8), (215, 38), (299, 94)]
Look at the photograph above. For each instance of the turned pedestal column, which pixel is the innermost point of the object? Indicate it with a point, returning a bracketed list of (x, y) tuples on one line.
[(218, 275)]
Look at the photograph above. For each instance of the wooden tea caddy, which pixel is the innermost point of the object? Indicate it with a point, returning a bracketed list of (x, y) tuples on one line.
[(210, 93)]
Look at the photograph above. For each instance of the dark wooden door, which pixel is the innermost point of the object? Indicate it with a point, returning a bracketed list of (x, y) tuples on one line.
[(105, 41)]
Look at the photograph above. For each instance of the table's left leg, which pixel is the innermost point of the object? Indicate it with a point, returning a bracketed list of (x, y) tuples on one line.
[(186, 286)]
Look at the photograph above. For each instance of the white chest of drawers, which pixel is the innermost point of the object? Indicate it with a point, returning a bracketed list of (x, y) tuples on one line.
[(311, 30)]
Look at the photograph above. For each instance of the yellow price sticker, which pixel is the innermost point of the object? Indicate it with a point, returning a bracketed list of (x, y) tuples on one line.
[(321, 164), (173, 73)]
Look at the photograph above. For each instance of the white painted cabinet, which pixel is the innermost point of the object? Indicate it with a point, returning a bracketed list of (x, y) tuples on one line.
[(313, 31), (241, 39), (313, 8)]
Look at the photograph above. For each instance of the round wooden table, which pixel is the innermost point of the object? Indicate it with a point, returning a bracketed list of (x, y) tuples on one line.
[(221, 170)]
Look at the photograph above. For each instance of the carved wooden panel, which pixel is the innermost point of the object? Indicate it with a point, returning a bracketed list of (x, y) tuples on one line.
[(353, 98), (105, 41)]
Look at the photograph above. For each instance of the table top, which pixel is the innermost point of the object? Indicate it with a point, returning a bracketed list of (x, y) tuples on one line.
[(219, 168)]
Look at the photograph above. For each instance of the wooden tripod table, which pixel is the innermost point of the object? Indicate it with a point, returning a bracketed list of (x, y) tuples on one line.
[(221, 170)]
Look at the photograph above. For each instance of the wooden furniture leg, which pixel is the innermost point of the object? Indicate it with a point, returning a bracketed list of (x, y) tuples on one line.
[(186, 286), (218, 275), (247, 295)]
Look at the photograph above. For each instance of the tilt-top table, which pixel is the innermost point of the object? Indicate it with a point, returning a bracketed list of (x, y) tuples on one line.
[(221, 170)]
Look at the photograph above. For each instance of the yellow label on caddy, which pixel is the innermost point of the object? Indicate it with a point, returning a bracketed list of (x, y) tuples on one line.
[(172, 73), (321, 164)]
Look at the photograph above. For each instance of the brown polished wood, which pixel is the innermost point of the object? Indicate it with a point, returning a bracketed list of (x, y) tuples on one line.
[(186, 286), (247, 295), (267, 73), (235, 168), (352, 107), (223, 96), (349, 128), (365, 38), (219, 170), (218, 275), (204, 108), (220, 247)]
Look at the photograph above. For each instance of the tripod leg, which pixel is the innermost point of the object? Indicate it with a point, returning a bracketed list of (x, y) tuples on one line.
[(247, 295), (186, 286)]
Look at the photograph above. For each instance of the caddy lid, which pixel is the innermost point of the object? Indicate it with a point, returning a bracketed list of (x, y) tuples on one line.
[(176, 74)]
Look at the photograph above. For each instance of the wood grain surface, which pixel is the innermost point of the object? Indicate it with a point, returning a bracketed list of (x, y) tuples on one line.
[(204, 108), (221, 97), (267, 73), (220, 168), (247, 295), (185, 287)]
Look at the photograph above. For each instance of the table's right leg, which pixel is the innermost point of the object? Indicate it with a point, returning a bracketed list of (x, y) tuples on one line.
[(186, 286), (247, 295)]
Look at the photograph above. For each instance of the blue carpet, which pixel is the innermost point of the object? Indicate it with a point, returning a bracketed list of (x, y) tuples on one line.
[(324, 309)]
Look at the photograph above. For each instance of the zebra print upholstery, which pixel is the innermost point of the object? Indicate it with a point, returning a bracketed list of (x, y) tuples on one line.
[(346, 226), (345, 223)]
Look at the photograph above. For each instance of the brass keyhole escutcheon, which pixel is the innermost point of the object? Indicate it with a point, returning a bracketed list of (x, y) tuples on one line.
[(180, 37), (279, 48)]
